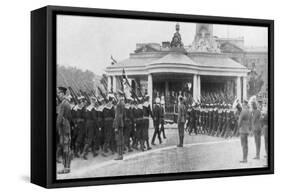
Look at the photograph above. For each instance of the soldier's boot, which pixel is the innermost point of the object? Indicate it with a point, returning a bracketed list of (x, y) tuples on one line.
[(94, 152), (180, 142), (142, 145), (120, 153), (147, 144), (129, 148), (85, 152), (76, 151)]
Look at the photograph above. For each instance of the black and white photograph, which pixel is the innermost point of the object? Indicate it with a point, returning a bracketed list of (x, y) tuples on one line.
[(143, 97)]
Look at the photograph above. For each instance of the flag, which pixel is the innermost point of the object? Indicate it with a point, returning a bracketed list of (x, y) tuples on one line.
[(126, 85), (113, 61)]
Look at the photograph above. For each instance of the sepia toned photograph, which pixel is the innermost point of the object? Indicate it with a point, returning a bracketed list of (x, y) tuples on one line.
[(143, 97)]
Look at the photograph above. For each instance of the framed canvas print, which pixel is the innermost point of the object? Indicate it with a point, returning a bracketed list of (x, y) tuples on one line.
[(125, 96)]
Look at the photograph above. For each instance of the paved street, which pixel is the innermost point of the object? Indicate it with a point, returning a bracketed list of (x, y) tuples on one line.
[(199, 153)]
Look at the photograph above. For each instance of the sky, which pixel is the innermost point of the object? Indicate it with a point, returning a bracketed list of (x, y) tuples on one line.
[(88, 42)]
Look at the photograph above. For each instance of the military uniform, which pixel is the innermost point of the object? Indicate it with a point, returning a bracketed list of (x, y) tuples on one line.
[(91, 130), (63, 123), (181, 122), (128, 126), (79, 131), (210, 119), (109, 141), (139, 125), (156, 122), (162, 128), (146, 113), (101, 132), (244, 126), (257, 130), (118, 125)]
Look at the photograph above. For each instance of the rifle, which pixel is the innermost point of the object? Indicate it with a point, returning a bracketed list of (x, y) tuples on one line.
[(86, 96), (72, 93), (102, 94)]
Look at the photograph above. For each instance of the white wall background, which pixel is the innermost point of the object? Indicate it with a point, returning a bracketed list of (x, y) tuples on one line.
[(15, 95)]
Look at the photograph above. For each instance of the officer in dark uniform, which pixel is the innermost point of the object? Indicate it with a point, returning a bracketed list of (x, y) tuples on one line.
[(63, 123), (146, 113), (156, 121), (192, 119), (91, 128), (118, 125)]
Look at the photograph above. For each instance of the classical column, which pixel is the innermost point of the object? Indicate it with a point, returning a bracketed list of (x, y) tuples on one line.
[(114, 84), (199, 87), (150, 88), (195, 80), (166, 88), (238, 88), (244, 88), (109, 83)]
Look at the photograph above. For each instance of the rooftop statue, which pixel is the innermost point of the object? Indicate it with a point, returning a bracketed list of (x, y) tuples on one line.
[(176, 41)]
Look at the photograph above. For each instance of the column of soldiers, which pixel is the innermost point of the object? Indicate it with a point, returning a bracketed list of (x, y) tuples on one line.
[(101, 125), (225, 120), (212, 119)]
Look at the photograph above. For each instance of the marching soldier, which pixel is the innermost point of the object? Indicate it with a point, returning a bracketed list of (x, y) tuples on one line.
[(133, 120), (118, 125), (91, 128), (139, 125), (181, 121), (146, 113), (108, 114), (128, 126), (156, 121), (63, 123), (79, 131), (100, 124)]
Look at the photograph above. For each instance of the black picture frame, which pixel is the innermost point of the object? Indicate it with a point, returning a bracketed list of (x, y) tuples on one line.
[(43, 90)]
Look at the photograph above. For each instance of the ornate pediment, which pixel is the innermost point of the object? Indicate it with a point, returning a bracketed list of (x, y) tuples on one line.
[(228, 47), (146, 48)]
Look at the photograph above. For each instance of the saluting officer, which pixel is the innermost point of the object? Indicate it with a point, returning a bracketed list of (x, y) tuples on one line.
[(244, 127)]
